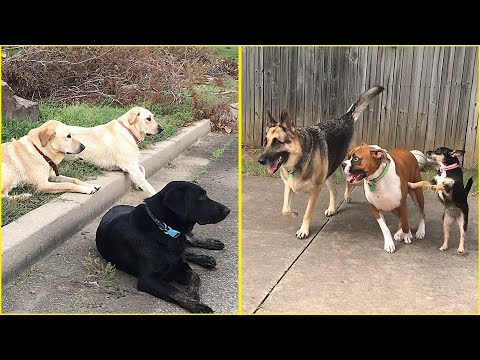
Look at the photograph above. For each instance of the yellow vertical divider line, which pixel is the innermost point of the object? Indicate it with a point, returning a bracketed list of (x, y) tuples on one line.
[(478, 173), (1, 263), (239, 119)]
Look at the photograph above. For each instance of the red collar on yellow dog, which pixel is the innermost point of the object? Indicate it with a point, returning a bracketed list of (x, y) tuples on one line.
[(48, 160), (162, 226), (449, 167), (130, 131)]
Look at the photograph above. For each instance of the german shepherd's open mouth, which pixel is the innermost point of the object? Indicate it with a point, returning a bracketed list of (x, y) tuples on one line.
[(273, 161), (274, 164), (356, 176)]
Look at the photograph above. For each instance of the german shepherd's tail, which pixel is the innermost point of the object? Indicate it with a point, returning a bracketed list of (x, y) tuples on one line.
[(357, 108), (468, 186)]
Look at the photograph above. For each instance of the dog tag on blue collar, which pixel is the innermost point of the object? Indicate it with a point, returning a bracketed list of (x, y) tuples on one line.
[(372, 187), (170, 232)]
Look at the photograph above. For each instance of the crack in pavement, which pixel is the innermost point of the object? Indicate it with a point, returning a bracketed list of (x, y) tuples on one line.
[(296, 258)]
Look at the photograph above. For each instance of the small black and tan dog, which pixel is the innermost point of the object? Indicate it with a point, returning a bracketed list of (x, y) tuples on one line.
[(307, 157), (449, 186), (148, 241)]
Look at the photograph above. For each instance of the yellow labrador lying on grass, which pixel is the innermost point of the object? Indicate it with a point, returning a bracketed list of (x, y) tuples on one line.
[(34, 158), (114, 145)]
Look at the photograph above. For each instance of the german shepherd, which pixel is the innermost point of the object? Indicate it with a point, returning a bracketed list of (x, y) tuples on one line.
[(309, 156)]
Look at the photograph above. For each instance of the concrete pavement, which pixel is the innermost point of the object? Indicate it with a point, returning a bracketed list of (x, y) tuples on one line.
[(342, 267), (64, 282)]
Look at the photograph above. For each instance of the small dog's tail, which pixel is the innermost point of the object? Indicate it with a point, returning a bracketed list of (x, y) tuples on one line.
[(357, 108), (468, 186)]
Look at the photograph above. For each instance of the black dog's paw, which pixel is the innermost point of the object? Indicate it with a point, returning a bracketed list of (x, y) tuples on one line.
[(202, 309), (208, 243), (212, 244), (207, 262)]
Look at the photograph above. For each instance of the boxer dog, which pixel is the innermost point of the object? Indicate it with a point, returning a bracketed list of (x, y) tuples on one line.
[(386, 176)]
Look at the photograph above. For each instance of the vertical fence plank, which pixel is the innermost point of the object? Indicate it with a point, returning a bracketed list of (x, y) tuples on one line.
[(267, 82), (276, 81), (415, 89), (471, 138), (292, 89), (422, 111), (258, 113), (460, 127), (309, 85), (453, 99), (300, 103), (434, 97), (445, 88)]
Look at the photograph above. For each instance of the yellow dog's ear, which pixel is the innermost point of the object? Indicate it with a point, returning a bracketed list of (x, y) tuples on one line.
[(45, 135), (132, 115)]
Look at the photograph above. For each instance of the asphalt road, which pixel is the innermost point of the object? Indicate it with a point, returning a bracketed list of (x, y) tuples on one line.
[(73, 279)]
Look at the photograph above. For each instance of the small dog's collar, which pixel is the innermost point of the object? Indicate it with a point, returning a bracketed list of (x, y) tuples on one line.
[(130, 131), (162, 226), (48, 160), (449, 167), (292, 174)]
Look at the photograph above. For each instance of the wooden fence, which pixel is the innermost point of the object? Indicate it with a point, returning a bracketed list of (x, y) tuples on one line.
[(430, 96)]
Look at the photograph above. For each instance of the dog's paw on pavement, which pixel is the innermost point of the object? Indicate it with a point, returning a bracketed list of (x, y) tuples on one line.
[(202, 309)]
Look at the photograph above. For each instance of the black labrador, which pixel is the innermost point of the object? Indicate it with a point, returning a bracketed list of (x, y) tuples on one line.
[(148, 241)]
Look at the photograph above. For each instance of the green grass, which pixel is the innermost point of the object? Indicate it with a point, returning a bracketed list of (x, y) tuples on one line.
[(251, 166), (225, 52), (97, 269)]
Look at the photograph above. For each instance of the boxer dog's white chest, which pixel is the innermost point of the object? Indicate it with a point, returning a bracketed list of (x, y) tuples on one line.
[(388, 193)]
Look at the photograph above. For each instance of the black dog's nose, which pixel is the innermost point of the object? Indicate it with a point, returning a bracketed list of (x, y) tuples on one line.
[(262, 159), (159, 128), (82, 147), (344, 164), (226, 210)]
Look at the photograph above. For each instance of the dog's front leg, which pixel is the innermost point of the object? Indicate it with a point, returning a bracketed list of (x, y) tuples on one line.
[(332, 206), (304, 230), (54, 187), (427, 184), (388, 245), (204, 243), (61, 178), (154, 285), (138, 178), (287, 200), (403, 232), (187, 276), (205, 261), (348, 193)]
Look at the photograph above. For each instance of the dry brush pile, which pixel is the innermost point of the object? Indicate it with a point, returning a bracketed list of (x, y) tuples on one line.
[(116, 75)]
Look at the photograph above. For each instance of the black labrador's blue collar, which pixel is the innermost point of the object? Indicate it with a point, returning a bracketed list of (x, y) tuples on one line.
[(162, 226)]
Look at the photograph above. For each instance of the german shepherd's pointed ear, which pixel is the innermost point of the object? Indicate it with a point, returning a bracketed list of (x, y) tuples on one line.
[(45, 135), (379, 154), (175, 201), (285, 120), (272, 121), (457, 153), (132, 115)]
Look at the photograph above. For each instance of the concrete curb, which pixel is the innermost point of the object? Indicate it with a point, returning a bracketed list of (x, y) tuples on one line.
[(35, 234)]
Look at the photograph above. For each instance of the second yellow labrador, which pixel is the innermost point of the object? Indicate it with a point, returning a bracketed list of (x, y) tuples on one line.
[(114, 145), (34, 159)]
